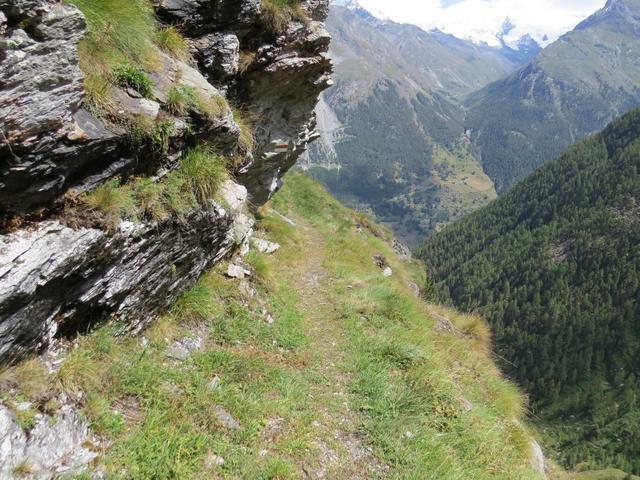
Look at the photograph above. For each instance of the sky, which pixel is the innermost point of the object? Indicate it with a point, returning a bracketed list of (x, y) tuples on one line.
[(481, 19)]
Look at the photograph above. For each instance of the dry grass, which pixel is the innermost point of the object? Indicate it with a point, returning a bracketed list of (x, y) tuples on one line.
[(29, 378)]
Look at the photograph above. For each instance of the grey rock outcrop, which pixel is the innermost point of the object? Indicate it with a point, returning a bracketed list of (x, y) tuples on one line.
[(283, 90), (55, 446), (205, 16), (57, 279)]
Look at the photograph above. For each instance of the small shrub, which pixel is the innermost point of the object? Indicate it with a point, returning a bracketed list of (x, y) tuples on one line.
[(129, 76), (171, 41)]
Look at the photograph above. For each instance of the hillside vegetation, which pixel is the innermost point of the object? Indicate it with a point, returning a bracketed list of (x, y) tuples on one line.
[(554, 266), (319, 366)]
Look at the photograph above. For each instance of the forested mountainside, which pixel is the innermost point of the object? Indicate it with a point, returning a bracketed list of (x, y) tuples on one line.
[(574, 87), (554, 266), (392, 130)]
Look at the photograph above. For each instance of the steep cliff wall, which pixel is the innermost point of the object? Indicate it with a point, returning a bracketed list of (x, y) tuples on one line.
[(62, 266)]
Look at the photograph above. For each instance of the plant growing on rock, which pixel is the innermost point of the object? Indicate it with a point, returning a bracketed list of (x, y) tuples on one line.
[(247, 139), (116, 202), (128, 76), (171, 41), (196, 181), (277, 14)]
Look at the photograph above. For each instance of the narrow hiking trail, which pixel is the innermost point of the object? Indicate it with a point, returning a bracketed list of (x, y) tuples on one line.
[(342, 450)]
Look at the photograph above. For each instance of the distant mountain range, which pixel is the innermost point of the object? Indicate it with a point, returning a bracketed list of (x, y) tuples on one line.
[(422, 127), (574, 87)]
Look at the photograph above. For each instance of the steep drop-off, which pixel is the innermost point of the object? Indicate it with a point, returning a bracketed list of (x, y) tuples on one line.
[(554, 267), (320, 362)]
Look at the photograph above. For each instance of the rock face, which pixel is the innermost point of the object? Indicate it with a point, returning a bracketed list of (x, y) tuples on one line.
[(55, 446), (56, 279), (283, 88)]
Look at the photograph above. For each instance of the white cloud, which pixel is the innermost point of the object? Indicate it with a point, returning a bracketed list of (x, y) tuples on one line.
[(481, 19)]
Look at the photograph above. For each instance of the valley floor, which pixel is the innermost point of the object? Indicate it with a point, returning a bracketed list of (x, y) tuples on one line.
[(316, 366)]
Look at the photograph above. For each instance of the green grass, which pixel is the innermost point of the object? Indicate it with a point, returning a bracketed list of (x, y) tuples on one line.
[(195, 182), (182, 98), (171, 41), (247, 140), (349, 354), (128, 76), (276, 14)]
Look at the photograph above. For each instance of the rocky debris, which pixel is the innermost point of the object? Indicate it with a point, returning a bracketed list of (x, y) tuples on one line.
[(57, 280), (225, 419), (381, 263), (402, 250), (237, 271), (214, 384), (212, 461), (55, 446), (265, 246), (466, 405), (415, 289), (181, 349)]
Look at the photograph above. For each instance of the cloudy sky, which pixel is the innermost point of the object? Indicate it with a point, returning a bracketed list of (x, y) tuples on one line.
[(480, 19)]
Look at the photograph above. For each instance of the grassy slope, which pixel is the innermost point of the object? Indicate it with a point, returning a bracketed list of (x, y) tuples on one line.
[(352, 380)]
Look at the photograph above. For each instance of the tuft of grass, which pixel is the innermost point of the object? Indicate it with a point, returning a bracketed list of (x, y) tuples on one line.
[(277, 14), (247, 140), (259, 264), (26, 418), (181, 98), (24, 469), (171, 41), (129, 76), (115, 201), (29, 378), (246, 60), (204, 170), (120, 31), (150, 198), (196, 181)]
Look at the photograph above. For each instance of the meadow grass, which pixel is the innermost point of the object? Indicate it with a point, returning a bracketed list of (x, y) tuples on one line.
[(350, 354)]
